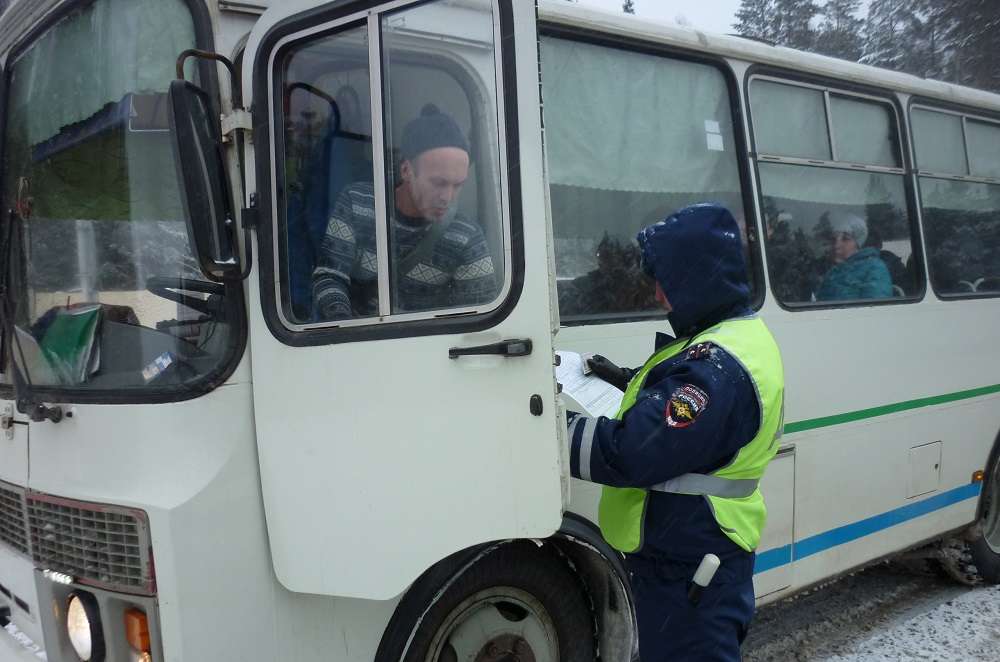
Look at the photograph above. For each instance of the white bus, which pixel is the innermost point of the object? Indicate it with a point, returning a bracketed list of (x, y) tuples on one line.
[(195, 465)]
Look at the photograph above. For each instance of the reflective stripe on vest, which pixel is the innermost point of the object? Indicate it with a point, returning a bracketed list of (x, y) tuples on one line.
[(731, 491), (707, 485)]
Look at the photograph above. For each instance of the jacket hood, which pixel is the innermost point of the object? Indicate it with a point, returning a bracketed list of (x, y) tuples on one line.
[(696, 255)]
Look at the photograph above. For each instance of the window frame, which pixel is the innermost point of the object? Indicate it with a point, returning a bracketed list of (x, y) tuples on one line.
[(850, 90), (920, 104), (965, 144), (834, 162), (966, 112), (268, 145), (740, 131), (234, 296)]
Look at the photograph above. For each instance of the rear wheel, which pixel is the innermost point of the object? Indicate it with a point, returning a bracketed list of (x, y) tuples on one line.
[(518, 603), (984, 546), (975, 558)]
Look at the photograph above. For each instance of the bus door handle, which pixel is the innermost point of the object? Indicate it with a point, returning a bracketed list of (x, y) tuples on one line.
[(504, 348)]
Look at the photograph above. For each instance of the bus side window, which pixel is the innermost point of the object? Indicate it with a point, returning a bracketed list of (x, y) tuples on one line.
[(959, 162), (327, 167), (834, 233), (625, 151), (446, 229), (444, 244)]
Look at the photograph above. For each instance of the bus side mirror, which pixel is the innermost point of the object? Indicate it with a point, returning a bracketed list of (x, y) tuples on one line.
[(205, 195)]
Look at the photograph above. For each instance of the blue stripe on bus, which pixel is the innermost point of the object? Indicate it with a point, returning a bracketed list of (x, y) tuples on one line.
[(779, 556), (773, 558)]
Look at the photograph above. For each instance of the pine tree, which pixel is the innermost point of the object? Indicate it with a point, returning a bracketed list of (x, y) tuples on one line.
[(628, 7), (793, 23), (971, 32), (885, 34), (840, 33), (952, 40), (755, 19), (925, 40)]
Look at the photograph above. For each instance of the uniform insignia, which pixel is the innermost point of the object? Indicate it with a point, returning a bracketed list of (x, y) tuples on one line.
[(685, 405), (700, 351)]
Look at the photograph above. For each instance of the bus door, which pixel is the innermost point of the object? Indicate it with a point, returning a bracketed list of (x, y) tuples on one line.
[(401, 344)]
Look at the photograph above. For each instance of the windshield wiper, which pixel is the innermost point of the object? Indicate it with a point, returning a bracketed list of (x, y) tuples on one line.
[(27, 403)]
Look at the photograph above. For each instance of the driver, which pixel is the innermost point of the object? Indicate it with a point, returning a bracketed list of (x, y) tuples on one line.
[(439, 258)]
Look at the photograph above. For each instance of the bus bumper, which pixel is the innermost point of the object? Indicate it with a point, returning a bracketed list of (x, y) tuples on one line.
[(16, 646)]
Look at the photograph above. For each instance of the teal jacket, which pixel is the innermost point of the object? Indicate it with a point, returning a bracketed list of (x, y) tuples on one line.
[(861, 276)]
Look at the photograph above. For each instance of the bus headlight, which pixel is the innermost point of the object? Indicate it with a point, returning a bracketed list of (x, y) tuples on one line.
[(83, 626)]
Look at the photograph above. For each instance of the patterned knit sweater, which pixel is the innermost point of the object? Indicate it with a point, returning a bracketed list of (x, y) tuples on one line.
[(458, 271)]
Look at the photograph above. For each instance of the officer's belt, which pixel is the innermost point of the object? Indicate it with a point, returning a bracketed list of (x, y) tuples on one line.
[(704, 484)]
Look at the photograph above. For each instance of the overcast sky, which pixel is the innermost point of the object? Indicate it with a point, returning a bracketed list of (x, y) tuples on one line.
[(709, 15)]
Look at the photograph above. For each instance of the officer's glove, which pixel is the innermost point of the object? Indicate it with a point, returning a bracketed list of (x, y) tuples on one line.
[(609, 372)]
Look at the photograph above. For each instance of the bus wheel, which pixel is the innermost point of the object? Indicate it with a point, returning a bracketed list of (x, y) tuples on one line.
[(984, 538), (975, 557), (520, 602)]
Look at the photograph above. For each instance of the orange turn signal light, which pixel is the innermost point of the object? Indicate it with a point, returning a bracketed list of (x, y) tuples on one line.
[(977, 476), (137, 630)]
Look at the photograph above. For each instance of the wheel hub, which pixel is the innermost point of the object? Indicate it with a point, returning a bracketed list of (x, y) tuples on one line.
[(506, 648), (497, 624)]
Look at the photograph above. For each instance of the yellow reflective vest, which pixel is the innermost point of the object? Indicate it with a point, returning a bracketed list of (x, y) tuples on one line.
[(732, 491)]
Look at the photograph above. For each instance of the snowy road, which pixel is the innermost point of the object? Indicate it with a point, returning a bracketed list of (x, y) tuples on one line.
[(883, 613)]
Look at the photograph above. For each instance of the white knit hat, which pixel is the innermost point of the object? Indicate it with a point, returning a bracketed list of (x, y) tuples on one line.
[(851, 224)]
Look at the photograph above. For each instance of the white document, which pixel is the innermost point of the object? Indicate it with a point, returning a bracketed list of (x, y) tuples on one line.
[(586, 394)]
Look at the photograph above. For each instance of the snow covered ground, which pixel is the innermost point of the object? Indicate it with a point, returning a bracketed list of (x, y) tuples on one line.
[(884, 613), (965, 628)]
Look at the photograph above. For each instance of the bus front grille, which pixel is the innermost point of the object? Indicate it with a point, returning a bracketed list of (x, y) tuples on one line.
[(97, 544), (13, 531)]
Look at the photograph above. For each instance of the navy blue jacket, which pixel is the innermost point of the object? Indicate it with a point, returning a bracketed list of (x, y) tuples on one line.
[(697, 257)]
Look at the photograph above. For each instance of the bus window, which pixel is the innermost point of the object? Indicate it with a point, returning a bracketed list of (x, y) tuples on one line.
[(962, 222), (790, 121), (808, 211), (837, 227), (960, 200), (940, 145), (108, 297), (328, 162), (984, 149), (864, 132), (445, 236), (624, 152)]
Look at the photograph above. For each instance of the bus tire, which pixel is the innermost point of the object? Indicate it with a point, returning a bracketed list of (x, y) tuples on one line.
[(984, 537), (518, 600), (974, 558)]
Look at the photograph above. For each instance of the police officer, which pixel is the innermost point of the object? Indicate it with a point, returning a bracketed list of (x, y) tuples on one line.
[(682, 459)]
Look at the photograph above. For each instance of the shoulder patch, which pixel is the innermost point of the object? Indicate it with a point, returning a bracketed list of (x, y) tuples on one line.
[(685, 404), (700, 351)]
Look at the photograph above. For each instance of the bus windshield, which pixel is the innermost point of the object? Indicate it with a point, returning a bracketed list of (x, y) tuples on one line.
[(105, 293)]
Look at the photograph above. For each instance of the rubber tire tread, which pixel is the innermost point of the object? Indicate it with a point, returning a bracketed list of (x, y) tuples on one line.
[(986, 561), (535, 570)]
